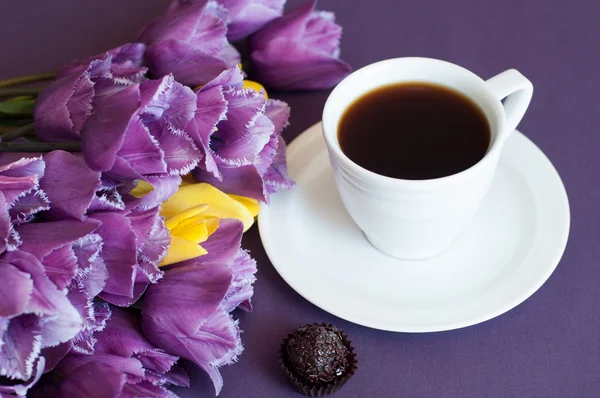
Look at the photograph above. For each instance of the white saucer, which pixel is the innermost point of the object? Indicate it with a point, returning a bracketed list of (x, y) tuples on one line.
[(515, 242)]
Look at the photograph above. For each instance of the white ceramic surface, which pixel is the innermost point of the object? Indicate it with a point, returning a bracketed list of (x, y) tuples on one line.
[(418, 219), (509, 250)]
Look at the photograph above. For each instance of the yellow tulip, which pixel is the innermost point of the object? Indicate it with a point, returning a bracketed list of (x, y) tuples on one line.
[(256, 87), (192, 214), (141, 189)]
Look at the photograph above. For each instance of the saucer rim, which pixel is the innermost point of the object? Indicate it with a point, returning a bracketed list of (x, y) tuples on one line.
[(559, 248)]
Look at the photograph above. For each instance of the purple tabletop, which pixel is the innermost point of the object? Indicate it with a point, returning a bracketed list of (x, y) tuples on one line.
[(549, 346)]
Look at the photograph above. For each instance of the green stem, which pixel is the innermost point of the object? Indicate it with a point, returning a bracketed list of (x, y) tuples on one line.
[(19, 132), (74, 146), (13, 123), (18, 81), (8, 128), (18, 91)]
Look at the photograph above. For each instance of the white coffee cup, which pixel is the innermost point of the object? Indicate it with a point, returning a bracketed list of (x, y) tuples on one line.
[(416, 219)]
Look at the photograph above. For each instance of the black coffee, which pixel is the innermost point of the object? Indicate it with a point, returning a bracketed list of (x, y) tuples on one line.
[(414, 131)]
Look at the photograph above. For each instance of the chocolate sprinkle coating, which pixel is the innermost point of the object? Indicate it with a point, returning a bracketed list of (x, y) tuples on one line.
[(317, 354)]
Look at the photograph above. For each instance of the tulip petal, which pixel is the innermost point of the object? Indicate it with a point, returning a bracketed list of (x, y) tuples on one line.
[(119, 253), (104, 132), (243, 181), (162, 188), (243, 108), (131, 54), (3, 327), (53, 355), (19, 165), (232, 77), (22, 344), (63, 107), (94, 379), (276, 178), (60, 321), (7, 233), (87, 251), (181, 250), (121, 65), (123, 336), (249, 141), (127, 61), (191, 331), (177, 376), (141, 150), (177, 214), (194, 230), (155, 248), (211, 109), (106, 199), (181, 154), (27, 205), (222, 245), (131, 367), (69, 184), (267, 154), (22, 389), (20, 177), (98, 314), (143, 224), (219, 204), (61, 266), (122, 345), (230, 55), (288, 65), (188, 66), (279, 113), (167, 101), (252, 205), (15, 290), (201, 25), (146, 389), (40, 239), (292, 24), (92, 273), (248, 16), (241, 290), (138, 290), (299, 51)]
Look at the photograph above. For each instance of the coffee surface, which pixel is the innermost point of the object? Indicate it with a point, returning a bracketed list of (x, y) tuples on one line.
[(414, 131)]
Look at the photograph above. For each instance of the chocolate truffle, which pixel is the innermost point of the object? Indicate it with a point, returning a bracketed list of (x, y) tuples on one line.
[(318, 359)]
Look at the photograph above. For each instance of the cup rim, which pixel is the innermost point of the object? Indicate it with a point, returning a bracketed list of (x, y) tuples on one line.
[(332, 141)]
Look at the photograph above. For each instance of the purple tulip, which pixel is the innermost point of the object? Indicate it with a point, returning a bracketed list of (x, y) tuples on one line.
[(134, 243), (190, 42), (123, 364), (248, 16), (21, 389), (187, 312), (77, 249), (69, 185), (126, 64), (20, 196), (138, 131), (62, 109), (34, 314), (239, 132), (299, 51), (52, 271)]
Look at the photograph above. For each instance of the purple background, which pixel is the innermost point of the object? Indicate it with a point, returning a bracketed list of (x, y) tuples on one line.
[(547, 347)]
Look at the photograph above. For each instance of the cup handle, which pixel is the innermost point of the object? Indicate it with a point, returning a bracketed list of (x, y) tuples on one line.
[(517, 90)]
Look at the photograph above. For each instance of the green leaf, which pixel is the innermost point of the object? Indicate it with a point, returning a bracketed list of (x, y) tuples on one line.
[(21, 106)]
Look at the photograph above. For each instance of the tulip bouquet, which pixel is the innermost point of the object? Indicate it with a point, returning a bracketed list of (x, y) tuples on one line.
[(123, 203)]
